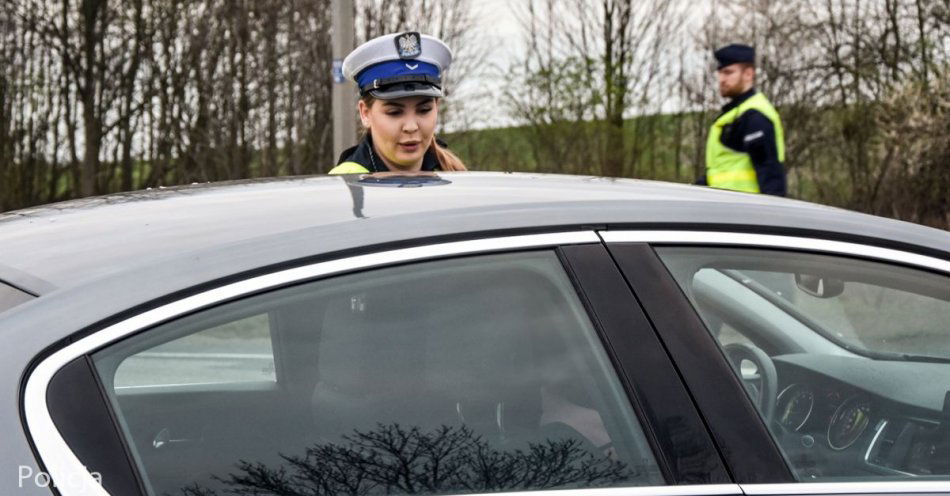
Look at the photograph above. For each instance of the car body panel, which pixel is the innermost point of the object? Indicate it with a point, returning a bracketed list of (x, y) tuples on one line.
[(97, 261)]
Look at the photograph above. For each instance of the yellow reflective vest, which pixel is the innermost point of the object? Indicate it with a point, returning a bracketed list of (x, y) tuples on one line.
[(732, 169), (348, 168)]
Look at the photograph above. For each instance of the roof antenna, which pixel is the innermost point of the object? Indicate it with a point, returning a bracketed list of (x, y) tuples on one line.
[(356, 192)]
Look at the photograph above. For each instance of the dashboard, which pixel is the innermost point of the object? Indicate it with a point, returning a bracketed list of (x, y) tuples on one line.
[(845, 417)]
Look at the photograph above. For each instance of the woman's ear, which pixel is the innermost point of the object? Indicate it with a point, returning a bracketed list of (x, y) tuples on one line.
[(364, 113)]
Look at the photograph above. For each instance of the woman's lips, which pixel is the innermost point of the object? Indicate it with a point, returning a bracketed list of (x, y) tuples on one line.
[(409, 146)]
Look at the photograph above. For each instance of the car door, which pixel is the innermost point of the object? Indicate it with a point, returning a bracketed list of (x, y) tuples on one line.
[(521, 363), (832, 369)]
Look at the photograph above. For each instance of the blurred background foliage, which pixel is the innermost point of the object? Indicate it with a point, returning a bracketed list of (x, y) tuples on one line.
[(98, 96)]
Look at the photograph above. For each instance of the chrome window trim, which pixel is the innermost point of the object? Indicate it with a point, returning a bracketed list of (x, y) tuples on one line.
[(683, 490), (61, 463), (883, 487), (775, 241)]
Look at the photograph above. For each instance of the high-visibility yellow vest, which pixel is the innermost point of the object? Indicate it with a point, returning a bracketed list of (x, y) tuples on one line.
[(731, 169), (348, 168)]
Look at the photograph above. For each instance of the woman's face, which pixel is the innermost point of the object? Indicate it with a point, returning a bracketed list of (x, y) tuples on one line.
[(402, 129)]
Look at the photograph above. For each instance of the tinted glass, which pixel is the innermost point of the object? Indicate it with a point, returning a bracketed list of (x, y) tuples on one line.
[(238, 351), (457, 376), (848, 360), (867, 316)]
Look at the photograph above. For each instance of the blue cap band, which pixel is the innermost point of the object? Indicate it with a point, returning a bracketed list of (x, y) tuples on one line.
[(393, 68)]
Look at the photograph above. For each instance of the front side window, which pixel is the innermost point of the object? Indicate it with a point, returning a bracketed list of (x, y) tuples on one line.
[(847, 360), (458, 376)]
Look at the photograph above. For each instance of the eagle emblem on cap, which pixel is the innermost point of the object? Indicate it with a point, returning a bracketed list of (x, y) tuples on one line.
[(409, 45)]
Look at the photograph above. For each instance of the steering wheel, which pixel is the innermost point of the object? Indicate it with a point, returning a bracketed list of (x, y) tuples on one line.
[(762, 386)]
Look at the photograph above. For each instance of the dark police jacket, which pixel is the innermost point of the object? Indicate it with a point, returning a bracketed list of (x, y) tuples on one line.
[(362, 156), (753, 133)]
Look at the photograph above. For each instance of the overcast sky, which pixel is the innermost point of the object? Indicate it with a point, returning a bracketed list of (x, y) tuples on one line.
[(497, 19), (498, 28)]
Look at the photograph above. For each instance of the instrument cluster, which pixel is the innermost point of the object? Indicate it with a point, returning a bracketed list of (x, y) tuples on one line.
[(842, 417)]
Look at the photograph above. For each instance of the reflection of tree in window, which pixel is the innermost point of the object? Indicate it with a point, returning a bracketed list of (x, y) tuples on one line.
[(393, 459)]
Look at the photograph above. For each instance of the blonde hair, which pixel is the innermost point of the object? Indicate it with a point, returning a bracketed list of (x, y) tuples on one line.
[(448, 161)]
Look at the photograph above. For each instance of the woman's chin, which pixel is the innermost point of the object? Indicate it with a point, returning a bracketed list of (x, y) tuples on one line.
[(404, 161)]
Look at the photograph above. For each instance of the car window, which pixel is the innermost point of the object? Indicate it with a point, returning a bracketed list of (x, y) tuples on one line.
[(455, 376), (847, 360), (237, 351), (869, 316)]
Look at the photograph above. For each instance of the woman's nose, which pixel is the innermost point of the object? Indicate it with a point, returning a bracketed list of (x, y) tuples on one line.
[(410, 126)]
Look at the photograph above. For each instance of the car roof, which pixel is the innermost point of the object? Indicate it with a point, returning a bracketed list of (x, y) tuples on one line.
[(69, 243)]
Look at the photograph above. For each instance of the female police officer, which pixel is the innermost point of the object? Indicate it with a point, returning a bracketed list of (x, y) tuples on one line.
[(400, 81)]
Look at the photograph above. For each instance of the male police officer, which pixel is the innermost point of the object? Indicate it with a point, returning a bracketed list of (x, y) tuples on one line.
[(745, 150)]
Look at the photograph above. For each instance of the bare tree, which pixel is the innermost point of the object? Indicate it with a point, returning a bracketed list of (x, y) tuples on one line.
[(100, 47), (594, 65), (100, 95)]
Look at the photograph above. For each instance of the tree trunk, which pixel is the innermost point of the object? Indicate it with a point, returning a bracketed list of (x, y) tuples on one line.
[(90, 160), (92, 132)]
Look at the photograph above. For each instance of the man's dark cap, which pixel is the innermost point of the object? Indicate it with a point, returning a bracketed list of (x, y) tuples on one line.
[(734, 54)]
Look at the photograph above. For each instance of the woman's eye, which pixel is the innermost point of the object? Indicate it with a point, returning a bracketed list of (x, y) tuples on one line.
[(424, 110), (393, 112)]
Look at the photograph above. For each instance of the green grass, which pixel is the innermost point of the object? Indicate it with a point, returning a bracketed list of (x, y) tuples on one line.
[(651, 149)]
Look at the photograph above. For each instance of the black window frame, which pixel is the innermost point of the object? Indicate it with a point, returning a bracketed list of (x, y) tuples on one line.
[(743, 439), (681, 440)]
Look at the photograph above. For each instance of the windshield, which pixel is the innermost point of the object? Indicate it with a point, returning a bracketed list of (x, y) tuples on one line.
[(873, 309), (865, 318)]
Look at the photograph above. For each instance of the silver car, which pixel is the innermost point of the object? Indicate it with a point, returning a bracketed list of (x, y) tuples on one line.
[(470, 333)]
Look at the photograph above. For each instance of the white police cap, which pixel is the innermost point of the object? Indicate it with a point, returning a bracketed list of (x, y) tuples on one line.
[(399, 65)]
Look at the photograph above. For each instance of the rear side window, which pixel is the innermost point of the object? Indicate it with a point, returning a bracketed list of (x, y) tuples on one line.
[(469, 375)]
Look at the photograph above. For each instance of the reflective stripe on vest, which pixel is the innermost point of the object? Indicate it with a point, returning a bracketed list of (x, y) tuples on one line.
[(348, 168), (731, 169)]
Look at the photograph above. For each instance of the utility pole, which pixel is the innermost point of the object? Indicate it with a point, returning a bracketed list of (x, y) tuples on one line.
[(344, 94)]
